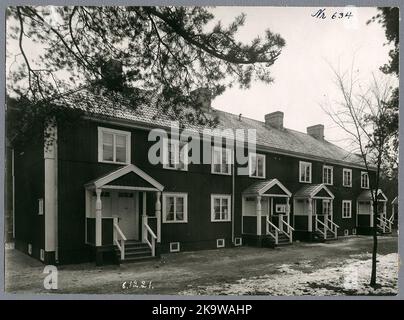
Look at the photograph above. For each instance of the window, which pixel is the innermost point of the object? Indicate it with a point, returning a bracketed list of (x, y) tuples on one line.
[(328, 175), (347, 177), (257, 165), (174, 247), (40, 206), (175, 208), (354, 231), (220, 208), (175, 155), (42, 254), (326, 207), (280, 208), (220, 243), (346, 209), (221, 160), (113, 146), (364, 180), (237, 242), (346, 232), (305, 172)]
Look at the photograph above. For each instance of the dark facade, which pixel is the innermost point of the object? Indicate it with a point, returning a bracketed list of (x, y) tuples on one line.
[(77, 164)]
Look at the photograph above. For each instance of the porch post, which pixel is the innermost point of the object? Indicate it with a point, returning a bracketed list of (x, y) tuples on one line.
[(371, 214), (310, 221), (259, 213), (98, 218), (288, 210), (385, 209), (158, 216), (144, 218)]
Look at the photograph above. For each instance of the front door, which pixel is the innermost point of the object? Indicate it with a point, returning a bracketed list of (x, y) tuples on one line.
[(128, 215)]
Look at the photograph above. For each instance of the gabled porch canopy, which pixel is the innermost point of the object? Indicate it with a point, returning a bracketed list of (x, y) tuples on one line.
[(366, 195), (395, 201), (269, 188), (127, 177), (314, 191)]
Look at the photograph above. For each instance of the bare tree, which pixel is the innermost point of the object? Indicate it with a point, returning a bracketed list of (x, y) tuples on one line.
[(363, 113)]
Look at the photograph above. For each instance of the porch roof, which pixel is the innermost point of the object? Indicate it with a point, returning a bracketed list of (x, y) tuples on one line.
[(395, 201), (367, 196), (268, 187), (319, 191), (115, 179)]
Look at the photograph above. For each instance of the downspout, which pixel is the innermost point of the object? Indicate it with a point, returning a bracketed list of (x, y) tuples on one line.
[(13, 190), (232, 197)]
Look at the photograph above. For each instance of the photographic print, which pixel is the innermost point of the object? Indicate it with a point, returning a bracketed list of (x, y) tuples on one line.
[(202, 151)]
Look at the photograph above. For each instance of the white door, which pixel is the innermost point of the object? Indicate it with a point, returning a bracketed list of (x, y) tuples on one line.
[(128, 215)]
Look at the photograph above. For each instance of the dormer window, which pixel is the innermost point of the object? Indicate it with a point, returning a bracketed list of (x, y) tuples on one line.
[(113, 146)]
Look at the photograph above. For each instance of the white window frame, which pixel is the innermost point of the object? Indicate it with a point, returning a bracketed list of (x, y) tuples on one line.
[(343, 178), (332, 175), (238, 241), (178, 247), (362, 174), (175, 195), (346, 232), (301, 163), (114, 132), (220, 245), (212, 207), (229, 156), (350, 209), (179, 153), (257, 155), (280, 208), (328, 206), (40, 206)]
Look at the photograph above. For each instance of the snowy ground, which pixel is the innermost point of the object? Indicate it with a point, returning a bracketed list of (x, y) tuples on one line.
[(340, 267), (348, 277)]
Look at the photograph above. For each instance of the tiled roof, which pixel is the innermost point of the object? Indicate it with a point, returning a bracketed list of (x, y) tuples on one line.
[(256, 187), (311, 190), (278, 140), (366, 195)]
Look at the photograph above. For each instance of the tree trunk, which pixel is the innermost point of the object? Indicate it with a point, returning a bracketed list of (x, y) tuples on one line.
[(374, 251)]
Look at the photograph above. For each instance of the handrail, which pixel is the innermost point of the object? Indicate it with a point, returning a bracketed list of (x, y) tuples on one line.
[(385, 223), (275, 236), (333, 224), (324, 232), (289, 228), (120, 243), (151, 244)]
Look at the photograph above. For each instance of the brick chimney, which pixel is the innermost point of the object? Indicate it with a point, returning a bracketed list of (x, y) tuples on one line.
[(274, 119), (203, 96), (316, 131)]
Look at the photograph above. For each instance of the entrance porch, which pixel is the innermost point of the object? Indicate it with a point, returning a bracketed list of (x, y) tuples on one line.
[(121, 221), (365, 217), (313, 213), (266, 214)]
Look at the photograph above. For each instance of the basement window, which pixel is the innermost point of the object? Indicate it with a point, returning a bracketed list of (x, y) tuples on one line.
[(220, 243), (354, 231), (42, 254), (237, 241), (29, 249), (346, 232), (174, 247)]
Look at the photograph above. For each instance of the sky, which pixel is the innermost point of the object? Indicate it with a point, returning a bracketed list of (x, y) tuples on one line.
[(302, 74)]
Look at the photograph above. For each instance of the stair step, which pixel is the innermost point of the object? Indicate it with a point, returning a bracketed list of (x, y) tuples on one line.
[(138, 259)]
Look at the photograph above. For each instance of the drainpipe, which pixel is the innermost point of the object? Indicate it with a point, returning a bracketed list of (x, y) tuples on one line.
[(232, 196)]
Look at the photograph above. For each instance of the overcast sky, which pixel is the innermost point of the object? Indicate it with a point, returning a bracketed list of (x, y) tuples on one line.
[(302, 74)]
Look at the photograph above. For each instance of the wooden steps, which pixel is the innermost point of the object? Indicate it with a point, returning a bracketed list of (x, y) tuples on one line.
[(135, 251)]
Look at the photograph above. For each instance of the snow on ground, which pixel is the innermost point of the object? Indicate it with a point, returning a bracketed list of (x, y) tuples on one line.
[(349, 277)]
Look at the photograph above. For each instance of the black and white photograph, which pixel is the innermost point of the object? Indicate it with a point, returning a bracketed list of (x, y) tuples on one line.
[(201, 151)]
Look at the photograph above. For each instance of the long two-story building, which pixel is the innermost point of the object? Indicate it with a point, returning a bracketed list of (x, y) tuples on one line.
[(92, 193)]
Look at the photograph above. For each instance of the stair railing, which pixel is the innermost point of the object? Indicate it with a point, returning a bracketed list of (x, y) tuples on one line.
[(334, 227), (152, 242), (318, 229), (119, 238), (289, 229), (273, 235), (384, 224)]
